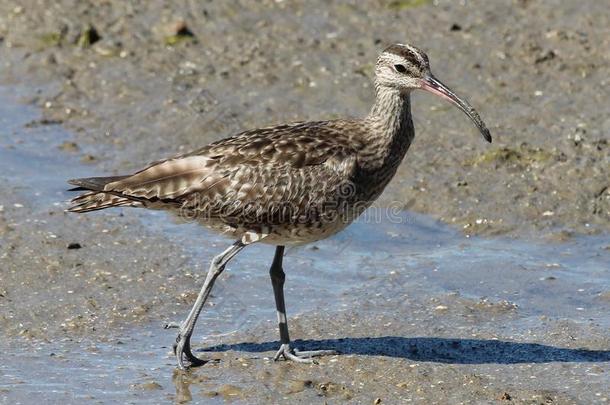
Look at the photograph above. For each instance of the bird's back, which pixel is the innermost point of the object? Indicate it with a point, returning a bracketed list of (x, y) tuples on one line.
[(302, 173)]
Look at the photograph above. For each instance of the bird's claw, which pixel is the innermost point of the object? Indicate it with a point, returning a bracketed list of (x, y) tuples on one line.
[(182, 351), (298, 356)]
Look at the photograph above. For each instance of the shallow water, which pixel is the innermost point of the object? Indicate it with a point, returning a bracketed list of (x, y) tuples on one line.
[(428, 258)]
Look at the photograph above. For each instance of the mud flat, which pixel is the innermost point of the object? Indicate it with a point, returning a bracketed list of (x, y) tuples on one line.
[(500, 292)]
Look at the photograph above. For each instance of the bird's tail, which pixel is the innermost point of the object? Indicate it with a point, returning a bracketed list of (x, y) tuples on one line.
[(96, 198)]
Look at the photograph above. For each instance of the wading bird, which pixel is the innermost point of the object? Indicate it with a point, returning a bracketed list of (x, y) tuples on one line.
[(284, 185)]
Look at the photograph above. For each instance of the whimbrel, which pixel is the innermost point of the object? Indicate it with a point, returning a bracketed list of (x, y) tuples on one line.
[(283, 185)]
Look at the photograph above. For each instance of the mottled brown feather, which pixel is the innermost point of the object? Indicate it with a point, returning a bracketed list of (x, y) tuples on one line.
[(267, 166)]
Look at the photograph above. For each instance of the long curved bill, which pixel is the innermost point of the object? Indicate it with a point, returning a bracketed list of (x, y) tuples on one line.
[(434, 86)]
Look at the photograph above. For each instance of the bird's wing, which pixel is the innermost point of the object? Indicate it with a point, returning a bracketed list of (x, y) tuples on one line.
[(300, 163)]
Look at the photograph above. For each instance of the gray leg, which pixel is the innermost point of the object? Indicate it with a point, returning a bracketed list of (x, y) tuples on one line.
[(182, 347), (277, 280)]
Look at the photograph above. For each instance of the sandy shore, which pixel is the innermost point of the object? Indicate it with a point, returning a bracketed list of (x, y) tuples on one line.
[(497, 315)]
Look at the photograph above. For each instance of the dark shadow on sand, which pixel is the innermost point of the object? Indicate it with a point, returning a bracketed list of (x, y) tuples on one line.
[(441, 350)]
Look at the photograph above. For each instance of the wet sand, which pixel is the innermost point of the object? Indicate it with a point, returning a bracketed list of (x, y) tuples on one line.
[(505, 299)]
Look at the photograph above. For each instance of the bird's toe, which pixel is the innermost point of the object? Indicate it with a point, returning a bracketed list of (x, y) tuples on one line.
[(298, 356)]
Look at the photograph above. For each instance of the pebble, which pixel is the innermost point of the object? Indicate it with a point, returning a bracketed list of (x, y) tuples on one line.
[(69, 146), (152, 385)]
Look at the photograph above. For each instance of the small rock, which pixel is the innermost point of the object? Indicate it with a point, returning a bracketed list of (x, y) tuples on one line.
[(74, 245), (177, 32), (87, 158), (88, 37), (549, 55), (506, 397), (455, 27), (180, 28), (148, 386), (69, 146)]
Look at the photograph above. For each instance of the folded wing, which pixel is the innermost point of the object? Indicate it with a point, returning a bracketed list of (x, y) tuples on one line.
[(299, 165)]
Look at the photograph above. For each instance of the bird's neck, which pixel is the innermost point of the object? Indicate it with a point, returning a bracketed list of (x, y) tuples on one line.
[(391, 129)]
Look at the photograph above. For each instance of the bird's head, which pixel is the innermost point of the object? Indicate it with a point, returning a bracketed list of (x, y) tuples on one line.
[(405, 68)]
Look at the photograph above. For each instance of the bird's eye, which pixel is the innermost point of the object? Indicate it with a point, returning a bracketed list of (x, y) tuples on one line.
[(400, 68)]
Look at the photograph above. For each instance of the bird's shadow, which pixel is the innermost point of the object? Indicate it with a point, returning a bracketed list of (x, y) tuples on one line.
[(433, 349)]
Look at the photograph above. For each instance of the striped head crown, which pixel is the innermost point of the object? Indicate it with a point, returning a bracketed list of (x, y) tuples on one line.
[(402, 66)]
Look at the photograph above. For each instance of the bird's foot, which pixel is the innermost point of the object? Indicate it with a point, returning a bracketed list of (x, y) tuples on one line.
[(298, 356), (183, 353)]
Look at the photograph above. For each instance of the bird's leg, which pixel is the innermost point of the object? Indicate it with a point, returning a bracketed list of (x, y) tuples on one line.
[(277, 280), (182, 347)]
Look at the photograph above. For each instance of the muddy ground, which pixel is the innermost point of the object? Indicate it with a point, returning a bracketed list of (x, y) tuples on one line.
[(119, 84)]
